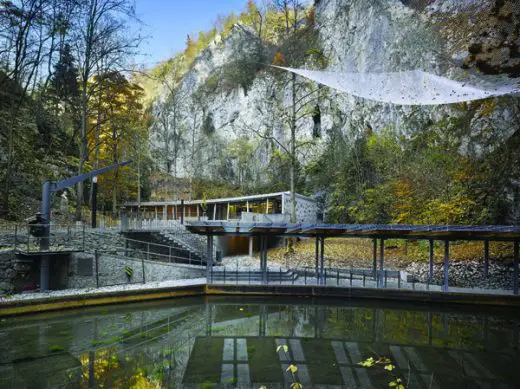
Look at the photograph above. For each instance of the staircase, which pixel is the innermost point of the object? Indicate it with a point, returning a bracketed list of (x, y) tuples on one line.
[(175, 241), (178, 235)]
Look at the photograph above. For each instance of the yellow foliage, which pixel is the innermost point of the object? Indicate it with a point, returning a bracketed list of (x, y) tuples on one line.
[(279, 59)]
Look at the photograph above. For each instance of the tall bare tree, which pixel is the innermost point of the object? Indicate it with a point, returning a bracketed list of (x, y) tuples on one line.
[(103, 43)]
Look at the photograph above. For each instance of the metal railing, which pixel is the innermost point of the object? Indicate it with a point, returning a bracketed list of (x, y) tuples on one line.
[(61, 238), (339, 277), (151, 253)]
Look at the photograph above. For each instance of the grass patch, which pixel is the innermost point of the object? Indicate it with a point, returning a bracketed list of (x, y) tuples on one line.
[(264, 363), (205, 362), (344, 252)]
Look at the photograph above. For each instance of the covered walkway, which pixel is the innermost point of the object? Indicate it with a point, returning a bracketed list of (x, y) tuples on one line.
[(378, 233)]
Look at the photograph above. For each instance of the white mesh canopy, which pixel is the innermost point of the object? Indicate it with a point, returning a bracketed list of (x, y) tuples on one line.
[(408, 88)]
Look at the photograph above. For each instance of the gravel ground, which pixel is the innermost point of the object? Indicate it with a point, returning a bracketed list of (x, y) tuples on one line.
[(102, 290), (245, 262)]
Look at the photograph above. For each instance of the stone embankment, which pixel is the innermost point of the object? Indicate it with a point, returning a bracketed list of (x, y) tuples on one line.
[(468, 274)]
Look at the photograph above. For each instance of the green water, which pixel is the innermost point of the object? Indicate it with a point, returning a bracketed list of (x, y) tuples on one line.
[(232, 342)]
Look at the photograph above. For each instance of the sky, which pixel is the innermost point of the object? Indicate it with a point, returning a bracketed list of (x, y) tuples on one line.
[(168, 22)]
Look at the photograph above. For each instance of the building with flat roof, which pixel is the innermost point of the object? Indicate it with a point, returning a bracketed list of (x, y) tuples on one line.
[(270, 207)]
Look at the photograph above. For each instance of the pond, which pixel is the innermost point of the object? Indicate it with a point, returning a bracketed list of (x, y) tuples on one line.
[(229, 342)]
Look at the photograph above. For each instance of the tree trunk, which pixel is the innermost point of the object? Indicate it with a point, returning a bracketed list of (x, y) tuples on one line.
[(293, 150), (290, 245), (82, 152)]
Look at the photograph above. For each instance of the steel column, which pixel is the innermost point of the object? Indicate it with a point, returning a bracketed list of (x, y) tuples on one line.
[(515, 264), (94, 202), (446, 265), (322, 261), (263, 257), (374, 259), (317, 257), (381, 263), (47, 190), (209, 256), (486, 259), (432, 253)]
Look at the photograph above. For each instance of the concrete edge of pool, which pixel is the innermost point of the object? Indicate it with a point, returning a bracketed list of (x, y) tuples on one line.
[(56, 303)]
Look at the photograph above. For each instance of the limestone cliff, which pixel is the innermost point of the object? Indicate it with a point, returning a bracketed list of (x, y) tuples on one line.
[(230, 96)]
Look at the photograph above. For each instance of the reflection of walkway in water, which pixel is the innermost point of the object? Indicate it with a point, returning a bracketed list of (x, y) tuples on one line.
[(251, 361), (254, 361)]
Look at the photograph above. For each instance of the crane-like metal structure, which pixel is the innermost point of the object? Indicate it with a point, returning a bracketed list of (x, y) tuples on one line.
[(48, 190)]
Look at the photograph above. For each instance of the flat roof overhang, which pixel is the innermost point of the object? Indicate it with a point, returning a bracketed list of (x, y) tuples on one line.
[(373, 231)]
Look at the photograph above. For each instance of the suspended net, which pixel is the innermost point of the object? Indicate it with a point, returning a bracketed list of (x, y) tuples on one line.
[(409, 87)]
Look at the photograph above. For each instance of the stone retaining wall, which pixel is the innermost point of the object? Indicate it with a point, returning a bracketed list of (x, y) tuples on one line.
[(82, 271), (7, 271), (468, 274), (73, 238)]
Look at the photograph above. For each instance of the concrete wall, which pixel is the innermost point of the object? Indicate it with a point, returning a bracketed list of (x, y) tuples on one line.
[(306, 209), (16, 273), (7, 271), (112, 271)]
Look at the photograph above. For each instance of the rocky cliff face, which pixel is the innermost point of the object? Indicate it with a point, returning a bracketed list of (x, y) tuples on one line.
[(440, 36), (436, 36)]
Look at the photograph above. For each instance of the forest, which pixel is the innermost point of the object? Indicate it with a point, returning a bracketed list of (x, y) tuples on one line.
[(72, 100)]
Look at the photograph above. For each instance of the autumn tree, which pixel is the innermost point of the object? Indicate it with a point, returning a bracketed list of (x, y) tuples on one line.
[(102, 44), (122, 122)]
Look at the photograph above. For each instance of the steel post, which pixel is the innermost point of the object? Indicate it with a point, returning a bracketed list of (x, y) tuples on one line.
[(374, 258), (317, 257), (94, 202), (486, 259), (381, 263), (322, 261), (446, 265), (209, 256), (515, 264), (432, 253)]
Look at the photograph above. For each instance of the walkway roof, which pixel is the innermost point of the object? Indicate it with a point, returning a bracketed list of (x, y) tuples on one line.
[(374, 231), (240, 199)]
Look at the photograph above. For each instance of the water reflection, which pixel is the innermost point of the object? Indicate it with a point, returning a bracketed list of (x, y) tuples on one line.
[(228, 342)]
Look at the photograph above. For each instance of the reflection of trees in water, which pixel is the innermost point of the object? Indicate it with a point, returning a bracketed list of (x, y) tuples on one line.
[(154, 349)]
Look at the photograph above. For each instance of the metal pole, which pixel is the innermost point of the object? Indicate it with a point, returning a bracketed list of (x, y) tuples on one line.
[(45, 240), (446, 264), (381, 262), (142, 264), (515, 264), (374, 259), (94, 201), (322, 262), (486, 259), (265, 276), (96, 257), (209, 256), (182, 211), (432, 253), (317, 260)]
